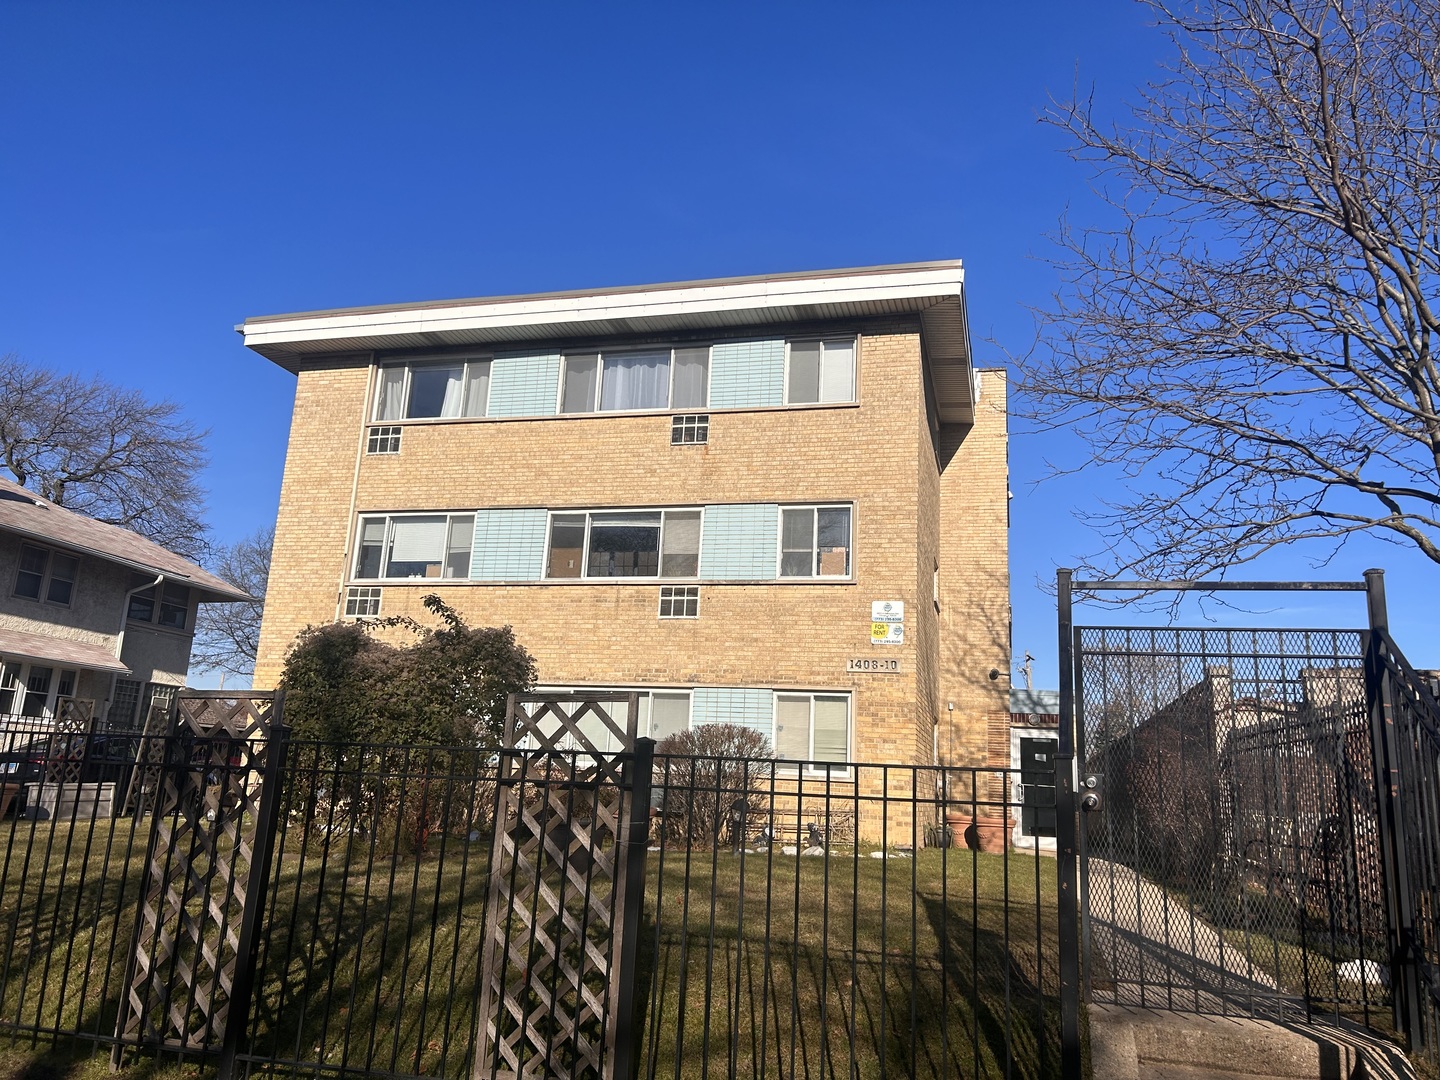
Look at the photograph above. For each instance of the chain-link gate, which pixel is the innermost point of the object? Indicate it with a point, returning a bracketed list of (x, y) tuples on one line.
[(1239, 822)]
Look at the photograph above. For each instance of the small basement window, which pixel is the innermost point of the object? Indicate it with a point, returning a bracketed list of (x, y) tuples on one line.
[(679, 601), (690, 429), (383, 440), (362, 601)]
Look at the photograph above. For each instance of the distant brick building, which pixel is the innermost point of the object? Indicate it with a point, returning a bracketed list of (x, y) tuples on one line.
[(706, 491)]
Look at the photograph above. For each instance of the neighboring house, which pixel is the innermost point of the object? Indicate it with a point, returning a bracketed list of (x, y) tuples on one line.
[(777, 501), (91, 613)]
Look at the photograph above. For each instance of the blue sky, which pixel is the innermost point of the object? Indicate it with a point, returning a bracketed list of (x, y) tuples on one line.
[(169, 170)]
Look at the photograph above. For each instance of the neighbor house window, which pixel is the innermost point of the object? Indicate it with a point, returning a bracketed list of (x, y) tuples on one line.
[(432, 388), (635, 380), (815, 541), (415, 546), (167, 605), (818, 371), (812, 728), (624, 543), (46, 575)]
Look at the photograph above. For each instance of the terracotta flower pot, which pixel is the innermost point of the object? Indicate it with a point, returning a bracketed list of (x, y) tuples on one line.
[(991, 834)]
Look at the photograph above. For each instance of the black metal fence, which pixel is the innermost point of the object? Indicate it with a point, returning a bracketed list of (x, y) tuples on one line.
[(796, 920)]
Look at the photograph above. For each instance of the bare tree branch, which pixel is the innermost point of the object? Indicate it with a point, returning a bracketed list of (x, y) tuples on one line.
[(1252, 341), (227, 636), (104, 451)]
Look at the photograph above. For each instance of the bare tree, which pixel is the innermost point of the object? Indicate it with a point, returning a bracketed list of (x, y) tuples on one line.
[(1250, 339), (227, 636), (104, 451)]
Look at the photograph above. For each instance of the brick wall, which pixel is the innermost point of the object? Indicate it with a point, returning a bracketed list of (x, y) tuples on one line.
[(877, 454)]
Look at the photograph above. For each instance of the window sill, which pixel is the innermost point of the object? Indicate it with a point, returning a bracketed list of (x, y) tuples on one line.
[(443, 421), (138, 624)]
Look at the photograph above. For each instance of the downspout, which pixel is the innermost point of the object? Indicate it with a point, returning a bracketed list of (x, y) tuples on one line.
[(120, 634)]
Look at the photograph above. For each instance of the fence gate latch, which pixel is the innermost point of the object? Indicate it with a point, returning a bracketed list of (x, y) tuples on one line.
[(1091, 788)]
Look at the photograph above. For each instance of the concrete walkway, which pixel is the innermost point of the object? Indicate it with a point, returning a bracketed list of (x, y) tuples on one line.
[(1161, 955), (1182, 1002)]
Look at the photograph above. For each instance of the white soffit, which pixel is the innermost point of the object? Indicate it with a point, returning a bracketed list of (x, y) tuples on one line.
[(933, 290)]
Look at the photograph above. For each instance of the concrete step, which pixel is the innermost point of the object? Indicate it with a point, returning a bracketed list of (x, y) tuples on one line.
[(1129, 1043)]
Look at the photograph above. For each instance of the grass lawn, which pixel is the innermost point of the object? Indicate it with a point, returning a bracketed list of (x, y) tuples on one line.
[(940, 965)]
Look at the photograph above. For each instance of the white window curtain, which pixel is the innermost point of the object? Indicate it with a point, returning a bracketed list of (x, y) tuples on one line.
[(692, 377), (454, 391), (390, 404), (418, 540), (636, 381)]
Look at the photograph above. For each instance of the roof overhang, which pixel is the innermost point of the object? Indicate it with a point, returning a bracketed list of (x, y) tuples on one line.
[(19, 645), (934, 291), (220, 592)]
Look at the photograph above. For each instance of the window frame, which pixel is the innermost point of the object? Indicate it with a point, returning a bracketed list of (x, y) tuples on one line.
[(21, 691), (823, 340), (591, 512), (388, 540), (791, 767), (409, 363), (814, 509), (155, 594), (47, 576), (599, 394)]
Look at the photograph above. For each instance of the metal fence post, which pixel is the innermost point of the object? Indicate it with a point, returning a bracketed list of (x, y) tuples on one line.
[(1405, 989), (237, 1018), (1071, 1064), (637, 840)]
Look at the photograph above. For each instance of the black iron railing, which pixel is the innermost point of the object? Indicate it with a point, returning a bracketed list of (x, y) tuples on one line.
[(794, 919)]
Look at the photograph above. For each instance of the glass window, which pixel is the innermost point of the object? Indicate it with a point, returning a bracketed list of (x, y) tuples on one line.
[(9, 684), (174, 606), (124, 704), (37, 691), (637, 380), (821, 371), (415, 546), (372, 547), (792, 727), (815, 541), (803, 383), (797, 542), (429, 390), (837, 371), (831, 729), (142, 606), (578, 386), (669, 715), (833, 545), (691, 379), (477, 387), (567, 546), (457, 552), (681, 557), (436, 391), (390, 400), (812, 728), (31, 578), (624, 545), (62, 578)]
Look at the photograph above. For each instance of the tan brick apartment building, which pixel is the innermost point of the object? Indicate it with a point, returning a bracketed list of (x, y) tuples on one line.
[(700, 490)]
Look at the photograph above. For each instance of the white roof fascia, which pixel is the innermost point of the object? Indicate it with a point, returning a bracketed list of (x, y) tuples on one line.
[(559, 311)]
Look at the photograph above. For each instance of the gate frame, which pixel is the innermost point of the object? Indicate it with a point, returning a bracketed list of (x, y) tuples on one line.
[(1074, 929)]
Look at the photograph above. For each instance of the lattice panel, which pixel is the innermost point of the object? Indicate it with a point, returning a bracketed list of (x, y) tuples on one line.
[(199, 874), (557, 972), (144, 787), (69, 741)]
